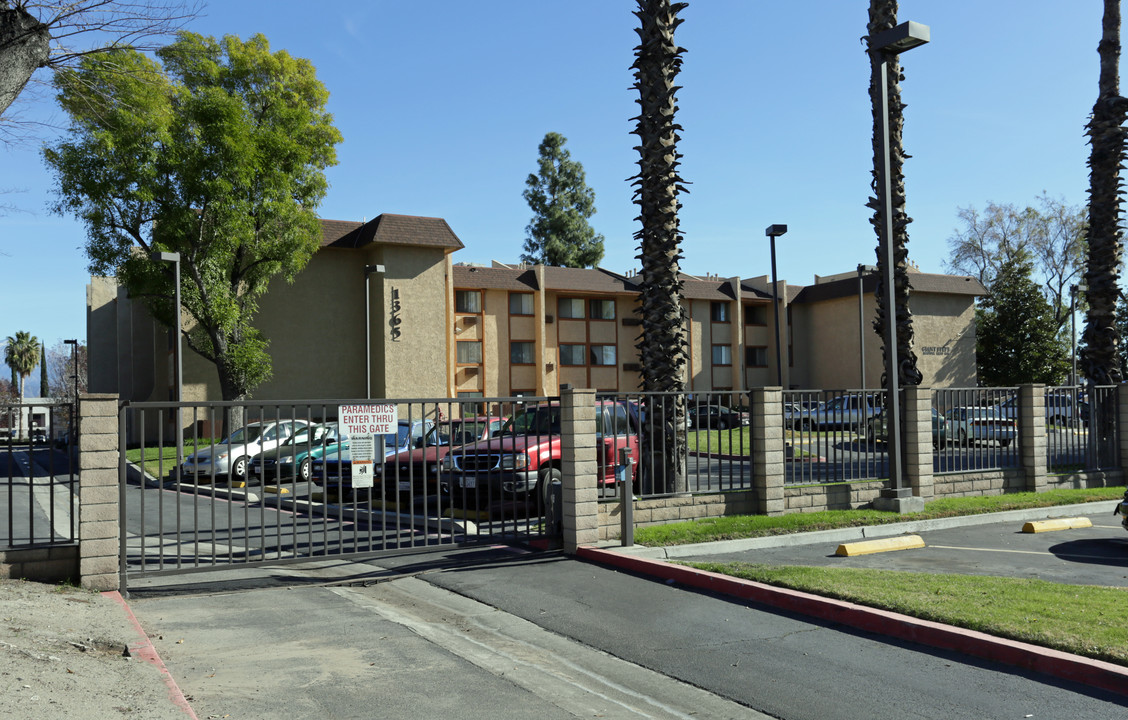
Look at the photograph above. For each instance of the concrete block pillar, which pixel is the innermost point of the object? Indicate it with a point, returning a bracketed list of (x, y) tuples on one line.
[(767, 449), (1032, 435), (579, 468), (918, 460), (1121, 423), (98, 482)]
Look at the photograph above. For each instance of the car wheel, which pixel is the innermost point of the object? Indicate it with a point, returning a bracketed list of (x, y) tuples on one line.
[(1004, 443), (239, 468), (722, 425), (303, 469), (961, 437), (804, 424), (547, 499)]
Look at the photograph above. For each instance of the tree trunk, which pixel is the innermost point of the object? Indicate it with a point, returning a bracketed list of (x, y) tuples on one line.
[(24, 46), (662, 344)]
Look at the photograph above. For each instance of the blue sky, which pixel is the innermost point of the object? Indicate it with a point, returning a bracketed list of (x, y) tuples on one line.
[(442, 104)]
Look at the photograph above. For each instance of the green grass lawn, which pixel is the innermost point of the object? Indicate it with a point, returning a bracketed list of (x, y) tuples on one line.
[(1080, 619), (167, 452), (749, 526)]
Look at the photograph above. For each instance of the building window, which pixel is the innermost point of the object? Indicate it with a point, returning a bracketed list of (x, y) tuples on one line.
[(756, 314), (468, 301), (520, 303), (722, 355), (469, 352), (521, 353), (570, 308), (601, 309), (572, 354), (603, 354), (471, 409), (719, 311), (756, 356)]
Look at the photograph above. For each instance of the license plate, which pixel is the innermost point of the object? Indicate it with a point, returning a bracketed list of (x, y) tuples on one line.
[(468, 483), (256, 470), (405, 485)]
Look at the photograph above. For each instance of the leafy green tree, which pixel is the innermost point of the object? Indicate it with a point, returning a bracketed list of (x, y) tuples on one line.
[(219, 154), (561, 201), (1017, 338)]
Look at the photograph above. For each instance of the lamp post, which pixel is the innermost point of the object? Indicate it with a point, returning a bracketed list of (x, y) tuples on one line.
[(174, 258), (774, 231), (368, 270), (885, 46), (863, 270)]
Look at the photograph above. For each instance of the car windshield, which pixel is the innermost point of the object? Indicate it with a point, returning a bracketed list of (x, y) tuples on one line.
[(544, 420)]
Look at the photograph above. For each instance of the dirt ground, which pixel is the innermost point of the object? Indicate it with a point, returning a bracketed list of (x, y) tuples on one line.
[(72, 653)]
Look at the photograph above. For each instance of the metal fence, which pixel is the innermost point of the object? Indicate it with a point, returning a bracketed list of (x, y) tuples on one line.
[(39, 467), (1082, 428), (833, 436), (276, 482), (980, 429)]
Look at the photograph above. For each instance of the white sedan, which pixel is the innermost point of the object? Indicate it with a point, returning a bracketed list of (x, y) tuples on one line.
[(969, 424)]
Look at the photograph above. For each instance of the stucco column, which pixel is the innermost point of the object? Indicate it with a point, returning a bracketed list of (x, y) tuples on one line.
[(578, 468), (1032, 435), (767, 449), (918, 463), (98, 489)]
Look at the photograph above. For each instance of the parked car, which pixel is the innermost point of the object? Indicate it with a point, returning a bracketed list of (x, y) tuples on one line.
[(716, 417), (232, 455), (967, 424), (876, 430), (846, 412), (1122, 511), (416, 470), (331, 464), (524, 461), (291, 458), (38, 436), (1062, 409)]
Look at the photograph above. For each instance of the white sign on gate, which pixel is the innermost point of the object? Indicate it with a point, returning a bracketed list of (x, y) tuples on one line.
[(364, 424)]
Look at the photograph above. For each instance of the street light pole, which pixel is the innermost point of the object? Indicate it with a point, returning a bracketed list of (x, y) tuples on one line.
[(368, 270), (862, 271), (885, 46), (774, 231), (174, 258)]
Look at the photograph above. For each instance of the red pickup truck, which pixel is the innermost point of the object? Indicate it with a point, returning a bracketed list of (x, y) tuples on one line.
[(524, 460)]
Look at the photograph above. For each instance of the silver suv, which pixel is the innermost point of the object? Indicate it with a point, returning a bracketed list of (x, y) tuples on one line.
[(230, 455)]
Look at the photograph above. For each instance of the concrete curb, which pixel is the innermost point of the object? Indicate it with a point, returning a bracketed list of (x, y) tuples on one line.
[(144, 650), (1094, 673), (860, 533)]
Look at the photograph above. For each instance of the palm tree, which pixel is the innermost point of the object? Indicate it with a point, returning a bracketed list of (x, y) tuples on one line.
[(20, 355), (662, 344), (1100, 351), (883, 16)]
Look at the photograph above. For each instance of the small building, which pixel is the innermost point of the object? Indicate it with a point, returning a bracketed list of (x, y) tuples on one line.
[(383, 311)]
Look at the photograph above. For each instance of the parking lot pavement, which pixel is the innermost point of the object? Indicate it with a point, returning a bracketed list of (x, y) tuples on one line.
[(1088, 556)]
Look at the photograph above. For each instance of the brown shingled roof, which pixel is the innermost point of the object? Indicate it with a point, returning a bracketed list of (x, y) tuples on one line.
[(493, 278), (390, 229), (584, 280)]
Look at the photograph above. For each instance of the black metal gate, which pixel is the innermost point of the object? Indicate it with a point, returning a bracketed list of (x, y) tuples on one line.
[(272, 483)]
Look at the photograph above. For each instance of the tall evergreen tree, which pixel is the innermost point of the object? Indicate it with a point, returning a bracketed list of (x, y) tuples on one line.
[(44, 385), (1017, 338), (662, 344), (561, 201)]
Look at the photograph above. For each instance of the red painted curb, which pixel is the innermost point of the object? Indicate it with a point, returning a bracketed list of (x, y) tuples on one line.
[(144, 650), (1086, 671)]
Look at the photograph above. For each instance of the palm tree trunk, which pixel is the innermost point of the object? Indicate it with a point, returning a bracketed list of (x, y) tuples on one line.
[(1099, 354), (662, 344)]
